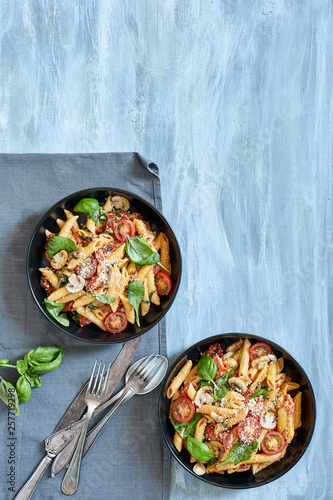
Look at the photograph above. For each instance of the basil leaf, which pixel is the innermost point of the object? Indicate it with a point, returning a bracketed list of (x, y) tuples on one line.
[(45, 359), (186, 429), (198, 449), (261, 392), (54, 309), (4, 362), (106, 299), (240, 452), (87, 205), (98, 217), (140, 252), (22, 366), (23, 389), (224, 378), (220, 391), (207, 368), (57, 243), (9, 396), (135, 294), (92, 307), (211, 461), (62, 280), (202, 383), (33, 379)]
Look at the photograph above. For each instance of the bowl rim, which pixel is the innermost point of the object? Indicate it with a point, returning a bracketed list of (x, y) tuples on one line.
[(213, 339), (116, 191)]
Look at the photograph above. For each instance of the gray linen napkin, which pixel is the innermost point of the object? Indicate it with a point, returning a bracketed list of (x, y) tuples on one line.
[(129, 459)]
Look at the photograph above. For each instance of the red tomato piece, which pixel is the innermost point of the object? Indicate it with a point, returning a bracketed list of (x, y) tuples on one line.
[(228, 439), (163, 283), (87, 268), (124, 215), (182, 409), (273, 443), (259, 349), (216, 353), (46, 285), (110, 221), (93, 283), (256, 407), (84, 321), (215, 349), (249, 429), (288, 404), (124, 228), (210, 432), (116, 322), (101, 252), (68, 306)]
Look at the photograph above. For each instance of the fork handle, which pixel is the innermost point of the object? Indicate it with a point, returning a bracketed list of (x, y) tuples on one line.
[(71, 480), (97, 429)]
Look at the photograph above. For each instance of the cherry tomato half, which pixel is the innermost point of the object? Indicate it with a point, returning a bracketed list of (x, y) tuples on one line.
[(249, 429), (124, 228), (259, 349), (116, 322), (163, 283), (273, 443), (182, 409), (87, 268)]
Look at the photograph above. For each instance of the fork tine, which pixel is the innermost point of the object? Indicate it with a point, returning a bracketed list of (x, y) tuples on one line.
[(91, 378), (144, 364), (106, 378), (152, 368), (93, 390), (98, 389)]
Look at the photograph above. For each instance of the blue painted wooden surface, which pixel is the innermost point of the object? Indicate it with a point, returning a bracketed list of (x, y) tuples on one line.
[(233, 101)]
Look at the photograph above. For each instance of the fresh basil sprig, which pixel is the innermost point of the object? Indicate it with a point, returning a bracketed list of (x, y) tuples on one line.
[(135, 294), (98, 217), (87, 205), (240, 452), (198, 449), (35, 362), (186, 429), (57, 243), (106, 299), (261, 392), (54, 309), (207, 369), (141, 253)]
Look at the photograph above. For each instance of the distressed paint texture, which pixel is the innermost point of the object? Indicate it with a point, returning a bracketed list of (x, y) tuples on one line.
[(233, 101)]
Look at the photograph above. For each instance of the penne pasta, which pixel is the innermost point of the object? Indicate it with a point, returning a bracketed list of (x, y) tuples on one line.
[(92, 282), (256, 409)]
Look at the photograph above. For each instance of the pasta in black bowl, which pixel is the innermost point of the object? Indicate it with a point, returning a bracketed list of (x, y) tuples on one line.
[(103, 265), (237, 410)]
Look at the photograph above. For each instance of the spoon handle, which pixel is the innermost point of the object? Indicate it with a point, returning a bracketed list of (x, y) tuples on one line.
[(97, 429)]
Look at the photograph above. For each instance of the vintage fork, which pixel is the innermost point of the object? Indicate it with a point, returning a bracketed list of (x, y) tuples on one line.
[(94, 397), (139, 379)]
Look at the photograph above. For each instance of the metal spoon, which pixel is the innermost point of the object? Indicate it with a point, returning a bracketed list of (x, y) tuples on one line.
[(61, 461)]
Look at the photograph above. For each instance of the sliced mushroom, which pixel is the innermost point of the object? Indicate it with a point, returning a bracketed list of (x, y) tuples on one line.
[(75, 283), (216, 447), (79, 253), (238, 384), (234, 347), (120, 203), (205, 395), (199, 469), (272, 358), (59, 259), (268, 421), (260, 362)]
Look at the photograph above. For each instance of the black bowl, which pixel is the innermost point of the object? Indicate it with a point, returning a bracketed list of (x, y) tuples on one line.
[(36, 259), (295, 449)]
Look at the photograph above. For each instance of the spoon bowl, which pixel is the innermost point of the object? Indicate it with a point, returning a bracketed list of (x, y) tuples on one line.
[(157, 378)]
